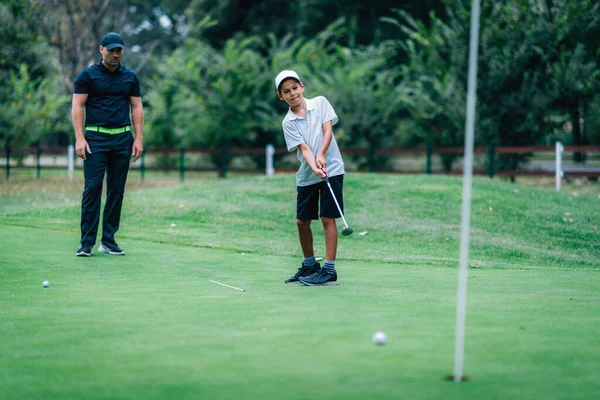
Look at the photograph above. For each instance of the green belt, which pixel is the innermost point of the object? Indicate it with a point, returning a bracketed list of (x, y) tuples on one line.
[(110, 131)]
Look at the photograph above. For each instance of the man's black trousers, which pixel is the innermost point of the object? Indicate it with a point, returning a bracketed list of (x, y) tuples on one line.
[(110, 154)]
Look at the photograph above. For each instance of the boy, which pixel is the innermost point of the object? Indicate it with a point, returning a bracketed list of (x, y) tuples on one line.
[(307, 128)]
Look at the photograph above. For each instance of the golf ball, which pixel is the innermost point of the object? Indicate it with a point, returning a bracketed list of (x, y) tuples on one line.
[(46, 284), (379, 338)]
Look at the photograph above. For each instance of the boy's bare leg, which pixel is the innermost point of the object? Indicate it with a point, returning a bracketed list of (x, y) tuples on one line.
[(306, 238), (331, 238)]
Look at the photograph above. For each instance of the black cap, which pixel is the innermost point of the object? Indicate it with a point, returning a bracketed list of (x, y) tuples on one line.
[(112, 40)]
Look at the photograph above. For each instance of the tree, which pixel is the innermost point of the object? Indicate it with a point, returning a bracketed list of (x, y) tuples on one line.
[(32, 110), (302, 19), (75, 28), (216, 96), (362, 90), (572, 60), (432, 84), (31, 102), (535, 57)]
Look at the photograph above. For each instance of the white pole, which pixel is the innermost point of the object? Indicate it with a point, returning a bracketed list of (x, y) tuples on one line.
[(461, 303), (559, 170), (270, 152), (71, 160)]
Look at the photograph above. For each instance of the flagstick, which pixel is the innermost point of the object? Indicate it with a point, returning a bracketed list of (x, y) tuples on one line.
[(461, 303)]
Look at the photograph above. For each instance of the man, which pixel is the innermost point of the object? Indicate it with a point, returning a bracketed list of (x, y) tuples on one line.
[(108, 91)]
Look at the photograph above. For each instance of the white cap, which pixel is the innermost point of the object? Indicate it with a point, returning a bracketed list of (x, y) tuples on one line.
[(283, 75)]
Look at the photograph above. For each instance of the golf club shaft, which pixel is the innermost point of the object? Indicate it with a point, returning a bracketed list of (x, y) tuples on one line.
[(336, 203)]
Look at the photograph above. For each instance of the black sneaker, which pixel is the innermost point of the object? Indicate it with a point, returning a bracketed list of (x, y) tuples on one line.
[(303, 271), (319, 278), (84, 251), (110, 248)]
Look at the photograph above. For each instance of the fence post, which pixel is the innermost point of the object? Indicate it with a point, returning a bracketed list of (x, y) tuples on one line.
[(181, 164), (7, 151), (270, 152), (491, 160), (38, 156), (224, 158), (428, 163), (143, 166), (559, 171), (371, 157), (71, 160)]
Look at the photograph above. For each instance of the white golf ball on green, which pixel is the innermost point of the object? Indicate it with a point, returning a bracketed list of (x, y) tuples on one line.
[(379, 338), (46, 284)]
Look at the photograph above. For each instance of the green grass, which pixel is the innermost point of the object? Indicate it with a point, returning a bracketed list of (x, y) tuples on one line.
[(150, 325)]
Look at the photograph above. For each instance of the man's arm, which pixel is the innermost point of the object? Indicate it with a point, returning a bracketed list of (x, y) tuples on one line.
[(137, 114), (77, 111)]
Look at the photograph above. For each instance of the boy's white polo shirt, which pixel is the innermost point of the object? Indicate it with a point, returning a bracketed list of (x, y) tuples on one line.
[(309, 130)]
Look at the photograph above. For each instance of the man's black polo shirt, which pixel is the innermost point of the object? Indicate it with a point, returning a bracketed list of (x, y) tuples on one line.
[(108, 93)]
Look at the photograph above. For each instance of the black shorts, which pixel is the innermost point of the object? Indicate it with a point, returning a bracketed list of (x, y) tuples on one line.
[(307, 203)]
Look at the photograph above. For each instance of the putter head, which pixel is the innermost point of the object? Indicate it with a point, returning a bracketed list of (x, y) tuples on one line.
[(347, 231)]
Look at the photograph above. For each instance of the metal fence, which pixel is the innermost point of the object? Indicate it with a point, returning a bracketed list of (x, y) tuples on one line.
[(273, 160)]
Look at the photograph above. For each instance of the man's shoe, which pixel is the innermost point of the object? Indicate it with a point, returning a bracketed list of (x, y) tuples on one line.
[(319, 278), (110, 248), (84, 251), (303, 271)]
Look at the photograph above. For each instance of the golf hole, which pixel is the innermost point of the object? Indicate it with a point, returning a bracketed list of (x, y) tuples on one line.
[(450, 378)]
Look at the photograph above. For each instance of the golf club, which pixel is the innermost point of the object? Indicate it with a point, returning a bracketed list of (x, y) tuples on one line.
[(347, 231)]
